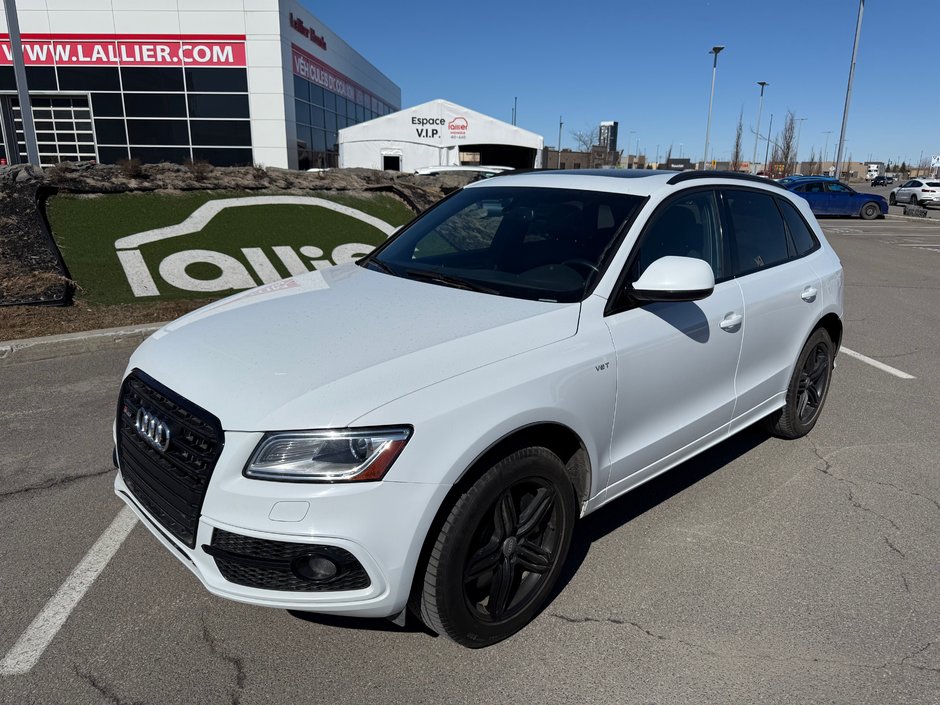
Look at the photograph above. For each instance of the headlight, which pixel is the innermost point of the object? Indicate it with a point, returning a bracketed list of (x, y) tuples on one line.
[(355, 455)]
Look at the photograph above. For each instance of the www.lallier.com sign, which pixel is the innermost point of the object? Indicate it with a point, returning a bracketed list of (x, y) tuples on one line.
[(232, 273)]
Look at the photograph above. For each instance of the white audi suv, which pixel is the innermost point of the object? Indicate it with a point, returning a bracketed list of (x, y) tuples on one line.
[(420, 430)]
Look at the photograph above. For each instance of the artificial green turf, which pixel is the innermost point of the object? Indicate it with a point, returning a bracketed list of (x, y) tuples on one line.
[(86, 228)]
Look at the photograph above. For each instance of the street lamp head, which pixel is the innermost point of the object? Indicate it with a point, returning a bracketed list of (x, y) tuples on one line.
[(716, 50), (762, 84)]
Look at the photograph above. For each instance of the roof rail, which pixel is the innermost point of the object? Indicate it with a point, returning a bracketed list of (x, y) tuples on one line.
[(736, 176)]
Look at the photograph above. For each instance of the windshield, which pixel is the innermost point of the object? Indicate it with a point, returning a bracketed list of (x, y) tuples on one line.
[(544, 244)]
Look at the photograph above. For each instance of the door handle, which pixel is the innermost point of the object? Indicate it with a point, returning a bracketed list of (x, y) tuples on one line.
[(809, 294), (731, 322)]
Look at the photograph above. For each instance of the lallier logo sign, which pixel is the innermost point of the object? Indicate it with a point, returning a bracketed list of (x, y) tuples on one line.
[(432, 128), (127, 50), (176, 271)]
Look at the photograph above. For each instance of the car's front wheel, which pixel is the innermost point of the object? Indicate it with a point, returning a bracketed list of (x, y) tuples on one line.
[(808, 388), (870, 211), (500, 550)]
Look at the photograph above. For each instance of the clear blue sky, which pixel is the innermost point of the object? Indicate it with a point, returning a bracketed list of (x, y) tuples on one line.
[(646, 65)]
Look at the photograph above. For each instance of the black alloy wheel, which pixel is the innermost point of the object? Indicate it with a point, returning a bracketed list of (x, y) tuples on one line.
[(814, 383), (807, 391), (500, 551), (512, 551), (892, 201), (870, 211)]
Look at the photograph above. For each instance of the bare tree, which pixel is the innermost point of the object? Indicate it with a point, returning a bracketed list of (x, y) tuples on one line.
[(668, 157), (811, 166), (785, 142), (585, 139), (736, 152)]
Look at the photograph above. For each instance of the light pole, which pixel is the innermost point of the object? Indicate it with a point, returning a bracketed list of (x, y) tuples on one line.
[(848, 90), (770, 129), (796, 155), (760, 106), (636, 154), (826, 148), (19, 72), (631, 132), (560, 123), (716, 50)]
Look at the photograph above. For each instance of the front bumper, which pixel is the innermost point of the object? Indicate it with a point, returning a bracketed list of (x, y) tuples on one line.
[(382, 524)]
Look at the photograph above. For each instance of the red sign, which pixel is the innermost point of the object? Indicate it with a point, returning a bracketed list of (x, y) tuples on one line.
[(307, 66), (127, 50), (308, 32)]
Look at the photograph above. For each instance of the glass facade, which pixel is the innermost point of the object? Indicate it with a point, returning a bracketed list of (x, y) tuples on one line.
[(320, 113), (152, 114)]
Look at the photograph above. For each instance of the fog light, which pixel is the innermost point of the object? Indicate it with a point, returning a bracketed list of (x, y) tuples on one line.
[(314, 567)]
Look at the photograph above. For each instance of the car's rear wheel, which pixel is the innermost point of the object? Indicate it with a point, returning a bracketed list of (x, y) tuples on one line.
[(500, 550), (870, 211), (808, 389), (892, 201), (913, 200)]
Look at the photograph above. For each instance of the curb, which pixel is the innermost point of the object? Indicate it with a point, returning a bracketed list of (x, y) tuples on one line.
[(52, 346), (925, 219)]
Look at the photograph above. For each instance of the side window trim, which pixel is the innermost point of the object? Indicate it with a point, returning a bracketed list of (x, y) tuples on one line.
[(616, 303)]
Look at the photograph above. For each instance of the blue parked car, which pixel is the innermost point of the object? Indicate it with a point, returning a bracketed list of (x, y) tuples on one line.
[(829, 196)]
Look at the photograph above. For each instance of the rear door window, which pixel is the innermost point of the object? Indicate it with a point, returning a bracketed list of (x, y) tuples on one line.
[(803, 239), (760, 238)]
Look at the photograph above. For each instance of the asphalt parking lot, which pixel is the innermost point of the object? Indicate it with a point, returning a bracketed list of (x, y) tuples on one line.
[(763, 571)]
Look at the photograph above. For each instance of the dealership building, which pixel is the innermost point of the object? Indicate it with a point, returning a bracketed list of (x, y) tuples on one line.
[(225, 81)]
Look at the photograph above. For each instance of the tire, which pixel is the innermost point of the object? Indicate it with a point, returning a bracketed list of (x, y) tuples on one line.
[(892, 201), (870, 211), (807, 391), (500, 551)]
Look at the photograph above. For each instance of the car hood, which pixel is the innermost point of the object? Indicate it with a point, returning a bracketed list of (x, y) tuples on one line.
[(322, 349)]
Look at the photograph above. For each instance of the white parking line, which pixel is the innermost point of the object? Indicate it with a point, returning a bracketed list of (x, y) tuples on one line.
[(879, 365), (33, 642)]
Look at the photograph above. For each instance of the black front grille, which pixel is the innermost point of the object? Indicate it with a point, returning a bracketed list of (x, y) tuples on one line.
[(259, 563), (170, 484)]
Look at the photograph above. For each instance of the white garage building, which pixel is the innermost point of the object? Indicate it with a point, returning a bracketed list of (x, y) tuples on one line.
[(437, 133)]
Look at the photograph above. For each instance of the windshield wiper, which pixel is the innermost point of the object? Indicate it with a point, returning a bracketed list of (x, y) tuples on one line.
[(380, 265), (448, 280)]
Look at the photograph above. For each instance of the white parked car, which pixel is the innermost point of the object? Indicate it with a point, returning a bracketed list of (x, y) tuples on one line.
[(423, 428), (462, 169), (924, 191)]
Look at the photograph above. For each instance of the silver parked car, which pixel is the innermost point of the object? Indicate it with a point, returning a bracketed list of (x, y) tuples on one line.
[(920, 191)]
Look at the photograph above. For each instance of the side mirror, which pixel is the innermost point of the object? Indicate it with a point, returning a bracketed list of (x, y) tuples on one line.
[(674, 278)]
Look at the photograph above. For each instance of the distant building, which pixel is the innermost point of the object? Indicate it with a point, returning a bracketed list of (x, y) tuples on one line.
[(607, 135), (597, 158), (677, 164)]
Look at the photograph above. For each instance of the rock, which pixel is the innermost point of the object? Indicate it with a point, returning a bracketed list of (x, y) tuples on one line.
[(915, 211)]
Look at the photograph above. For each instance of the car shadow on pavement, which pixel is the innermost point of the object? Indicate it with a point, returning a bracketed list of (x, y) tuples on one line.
[(635, 503)]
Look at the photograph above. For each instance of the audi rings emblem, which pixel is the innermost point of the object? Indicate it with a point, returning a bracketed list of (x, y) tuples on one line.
[(152, 429)]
